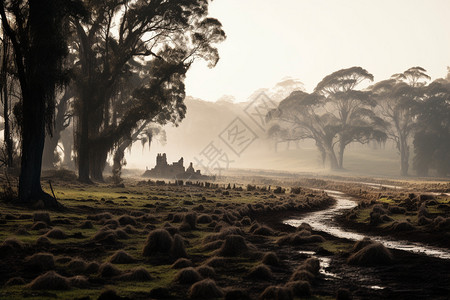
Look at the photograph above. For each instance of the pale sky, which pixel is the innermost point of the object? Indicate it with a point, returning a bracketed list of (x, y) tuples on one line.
[(268, 40)]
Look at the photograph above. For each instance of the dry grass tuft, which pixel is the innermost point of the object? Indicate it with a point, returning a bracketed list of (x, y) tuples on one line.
[(57, 234), (271, 259), (15, 281), (205, 289), (138, 274), (109, 270), (276, 293), (371, 255), (207, 272), (261, 272), (188, 276), (234, 245), (121, 257), (158, 241), (300, 288), (79, 281), (42, 217), (39, 225), (182, 263), (77, 265), (49, 281), (40, 261)]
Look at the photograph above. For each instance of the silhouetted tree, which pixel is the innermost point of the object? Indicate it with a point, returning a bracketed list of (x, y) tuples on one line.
[(145, 133), (334, 115), (353, 109), (396, 99), (62, 120), (154, 40), (432, 137), (36, 29)]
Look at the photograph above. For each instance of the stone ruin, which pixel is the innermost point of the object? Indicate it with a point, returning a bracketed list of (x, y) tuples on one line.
[(175, 170)]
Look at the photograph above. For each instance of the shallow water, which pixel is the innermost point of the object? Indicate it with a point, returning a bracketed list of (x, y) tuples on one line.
[(324, 221)]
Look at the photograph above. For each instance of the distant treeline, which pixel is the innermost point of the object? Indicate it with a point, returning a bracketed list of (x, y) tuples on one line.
[(407, 109)]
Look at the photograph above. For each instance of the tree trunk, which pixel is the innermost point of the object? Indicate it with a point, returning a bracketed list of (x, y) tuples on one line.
[(50, 158), (83, 146), (4, 86), (341, 153), (33, 137), (332, 160), (117, 161), (404, 157), (98, 158)]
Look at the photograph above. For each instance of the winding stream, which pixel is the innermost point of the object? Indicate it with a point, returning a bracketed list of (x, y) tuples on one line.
[(324, 221)]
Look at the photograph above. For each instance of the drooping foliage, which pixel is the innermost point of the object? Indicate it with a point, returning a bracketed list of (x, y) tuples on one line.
[(133, 58)]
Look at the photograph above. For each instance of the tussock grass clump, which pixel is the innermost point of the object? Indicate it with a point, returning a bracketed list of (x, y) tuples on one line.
[(401, 226), (188, 276), (109, 270), (276, 293), (424, 221), (191, 219), (300, 288), (62, 259), (205, 289), (394, 209), (126, 220), (371, 255), (111, 224), (77, 265), (121, 234), (206, 272), (224, 232), (121, 257), (204, 219), (106, 237), (100, 216), (182, 263), (158, 241), (260, 272), (79, 281), (130, 229), (39, 225), (137, 274), (312, 265), (300, 238), (41, 261), (441, 223), (304, 226), (42, 217), (361, 244), (264, 230), (343, 294), (246, 221), (15, 281), (212, 245), (217, 262), (92, 267), (57, 234), (86, 225), (271, 259), (12, 244), (177, 218), (49, 281), (235, 245), (302, 275)]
